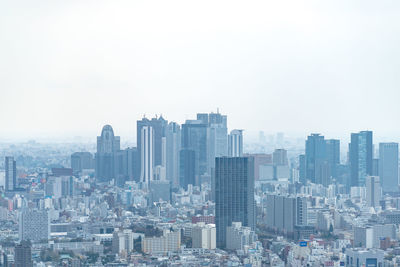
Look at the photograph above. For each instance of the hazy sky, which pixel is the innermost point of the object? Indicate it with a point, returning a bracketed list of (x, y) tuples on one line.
[(68, 67)]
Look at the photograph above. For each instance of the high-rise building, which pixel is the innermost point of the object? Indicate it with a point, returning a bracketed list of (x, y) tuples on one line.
[(204, 236), (361, 155), (235, 143), (373, 191), (333, 156), (238, 236), (279, 157), (122, 241), (389, 166), (146, 154), (23, 255), (169, 242), (316, 159), (194, 137), (187, 173), (159, 125), (234, 194), (302, 169), (81, 161), (173, 135), (11, 174), (34, 225), (107, 146)]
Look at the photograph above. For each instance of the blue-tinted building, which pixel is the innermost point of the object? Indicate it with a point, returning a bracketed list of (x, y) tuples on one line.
[(389, 166), (234, 194), (361, 155)]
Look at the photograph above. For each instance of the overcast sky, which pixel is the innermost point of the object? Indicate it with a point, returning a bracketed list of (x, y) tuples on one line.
[(69, 67)]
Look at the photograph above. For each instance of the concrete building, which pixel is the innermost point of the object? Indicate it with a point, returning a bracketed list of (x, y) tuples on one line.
[(364, 257), (204, 236), (238, 236), (373, 191), (147, 155), (34, 225), (169, 242), (23, 255), (123, 241)]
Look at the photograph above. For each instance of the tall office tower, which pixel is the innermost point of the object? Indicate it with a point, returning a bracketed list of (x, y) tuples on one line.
[(146, 154), (173, 135), (217, 137), (333, 155), (361, 155), (279, 157), (107, 146), (11, 174), (375, 167), (194, 137), (373, 191), (302, 169), (234, 194), (159, 125), (235, 143), (389, 166), (187, 162), (81, 161), (132, 156), (34, 225), (23, 254), (316, 159)]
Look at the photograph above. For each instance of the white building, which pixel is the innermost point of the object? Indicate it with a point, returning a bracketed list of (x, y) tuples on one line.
[(357, 257), (204, 236), (169, 242), (123, 241), (235, 143), (238, 236), (34, 225), (147, 154)]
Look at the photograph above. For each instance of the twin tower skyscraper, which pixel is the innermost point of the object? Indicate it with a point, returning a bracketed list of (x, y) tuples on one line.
[(181, 154)]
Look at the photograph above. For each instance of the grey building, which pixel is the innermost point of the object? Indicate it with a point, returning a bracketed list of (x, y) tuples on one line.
[(11, 174), (194, 137), (187, 174), (333, 156), (234, 194), (173, 143), (34, 225), (23, 255), (81, 161), (361, 155), (389, 166)]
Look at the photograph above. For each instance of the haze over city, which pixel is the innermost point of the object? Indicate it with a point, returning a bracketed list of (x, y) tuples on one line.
[(69, 67)]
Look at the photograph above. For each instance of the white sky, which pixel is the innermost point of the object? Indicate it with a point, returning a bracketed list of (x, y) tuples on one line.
[(68, 67)]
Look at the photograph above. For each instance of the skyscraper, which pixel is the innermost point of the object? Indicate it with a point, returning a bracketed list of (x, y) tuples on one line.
[(279, 157), (235, 143), (302, 169), (147, 154), (11, 174), (81, 161), (361, 155), (389, 166), (316, 159), (187, 168), (234, 194), (333, 156), (194, 137), (107, 146), (159, 125), (373, 191), (173, 135)]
